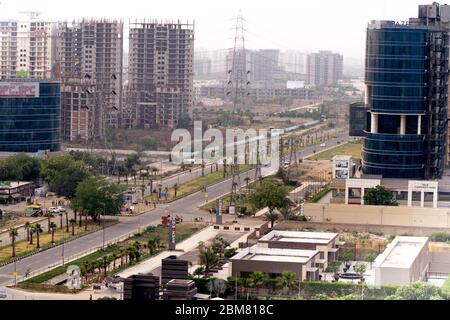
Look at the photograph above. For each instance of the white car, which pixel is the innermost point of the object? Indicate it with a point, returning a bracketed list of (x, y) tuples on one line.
[(61, 209), (323, 145), (3, 294), (53, 210)]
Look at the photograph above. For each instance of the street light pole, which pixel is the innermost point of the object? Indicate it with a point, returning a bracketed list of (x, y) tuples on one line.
[(104, 217)]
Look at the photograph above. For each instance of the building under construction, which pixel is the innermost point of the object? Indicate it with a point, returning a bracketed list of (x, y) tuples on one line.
[(89, 63), (160, 74)]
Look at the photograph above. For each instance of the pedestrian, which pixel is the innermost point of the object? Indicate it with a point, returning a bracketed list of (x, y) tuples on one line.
[(90, 297)]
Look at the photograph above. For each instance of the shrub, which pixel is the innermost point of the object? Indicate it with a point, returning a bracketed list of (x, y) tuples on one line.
[(440, 237)]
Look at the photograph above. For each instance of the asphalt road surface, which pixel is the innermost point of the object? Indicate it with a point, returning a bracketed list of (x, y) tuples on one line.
[(187, 207)]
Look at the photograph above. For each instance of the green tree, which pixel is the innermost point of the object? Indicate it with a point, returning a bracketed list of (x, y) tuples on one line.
[(53, 228), (49, 216), (379, 196), (38, 230), (52, 167), (417, 291), (256, 280), (270, 194), (95, 195), (370, 257), (287, 281), (66, 182), (271, 217), (334, 266), (27, 228), (22, 73), (198, 272), (13, 234), (207, 257), (152, 246), (73, 223)]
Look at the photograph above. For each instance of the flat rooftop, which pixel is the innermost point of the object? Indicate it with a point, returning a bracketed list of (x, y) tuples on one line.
[(401, 252), (13, 184), (299, 237), (256, 253)]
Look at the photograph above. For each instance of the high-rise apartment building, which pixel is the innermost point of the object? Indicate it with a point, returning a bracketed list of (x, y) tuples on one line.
[(294, 62), (324, 68), (406, 97), (90, 54), (27, 48), (160, 74)]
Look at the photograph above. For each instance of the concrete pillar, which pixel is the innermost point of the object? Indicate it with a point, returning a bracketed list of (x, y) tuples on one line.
[(435, 199), (422, 199), (374, 123), (402, 125), (346, 195), (409, 198), (419, 125), (362, 196)]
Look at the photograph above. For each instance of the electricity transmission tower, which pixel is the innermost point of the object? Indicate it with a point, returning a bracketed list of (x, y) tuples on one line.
[(237, 90)]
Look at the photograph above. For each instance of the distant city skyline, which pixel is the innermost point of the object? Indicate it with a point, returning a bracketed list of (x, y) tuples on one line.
[(284, 24)]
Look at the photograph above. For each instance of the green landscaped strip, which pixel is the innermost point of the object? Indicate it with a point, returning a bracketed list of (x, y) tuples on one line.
[(184, 231), (349, 149)]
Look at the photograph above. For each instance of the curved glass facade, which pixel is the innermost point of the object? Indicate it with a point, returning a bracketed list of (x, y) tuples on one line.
[(30, 123), (406, 97), (394, 156), (396, 70)]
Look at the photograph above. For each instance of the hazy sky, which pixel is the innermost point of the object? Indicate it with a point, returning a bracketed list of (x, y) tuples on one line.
[(284, 24)]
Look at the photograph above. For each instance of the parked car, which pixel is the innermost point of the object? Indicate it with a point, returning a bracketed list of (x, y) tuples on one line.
[(61, 209), (3, 294), (323, 145)]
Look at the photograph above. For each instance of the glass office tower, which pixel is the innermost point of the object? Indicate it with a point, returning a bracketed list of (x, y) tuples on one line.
[(29, 115), (406, 98)]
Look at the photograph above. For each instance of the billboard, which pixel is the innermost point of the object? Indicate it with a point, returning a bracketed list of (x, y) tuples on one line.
[(19, 89)]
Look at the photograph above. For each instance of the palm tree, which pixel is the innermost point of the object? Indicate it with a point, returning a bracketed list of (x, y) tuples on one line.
[(287, 281), (73, 222), (271, 217), (256, 279), (53, 228), (151, 245), (13, 234), (49, 215), (27, 227), (67, 221), (75, 211), (37, 229), (114, 258), (207, 257), (61, 220), (80, 221), (31, 234), (175, 189)]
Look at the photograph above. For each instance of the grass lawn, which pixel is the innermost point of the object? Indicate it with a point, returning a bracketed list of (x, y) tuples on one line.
[(198, 183), (351, 149), (184, 231)]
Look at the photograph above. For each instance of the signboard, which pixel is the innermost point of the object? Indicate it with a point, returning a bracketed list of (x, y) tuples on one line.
[(219, 211), (232, 210), (172, 234), (19, 89)]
